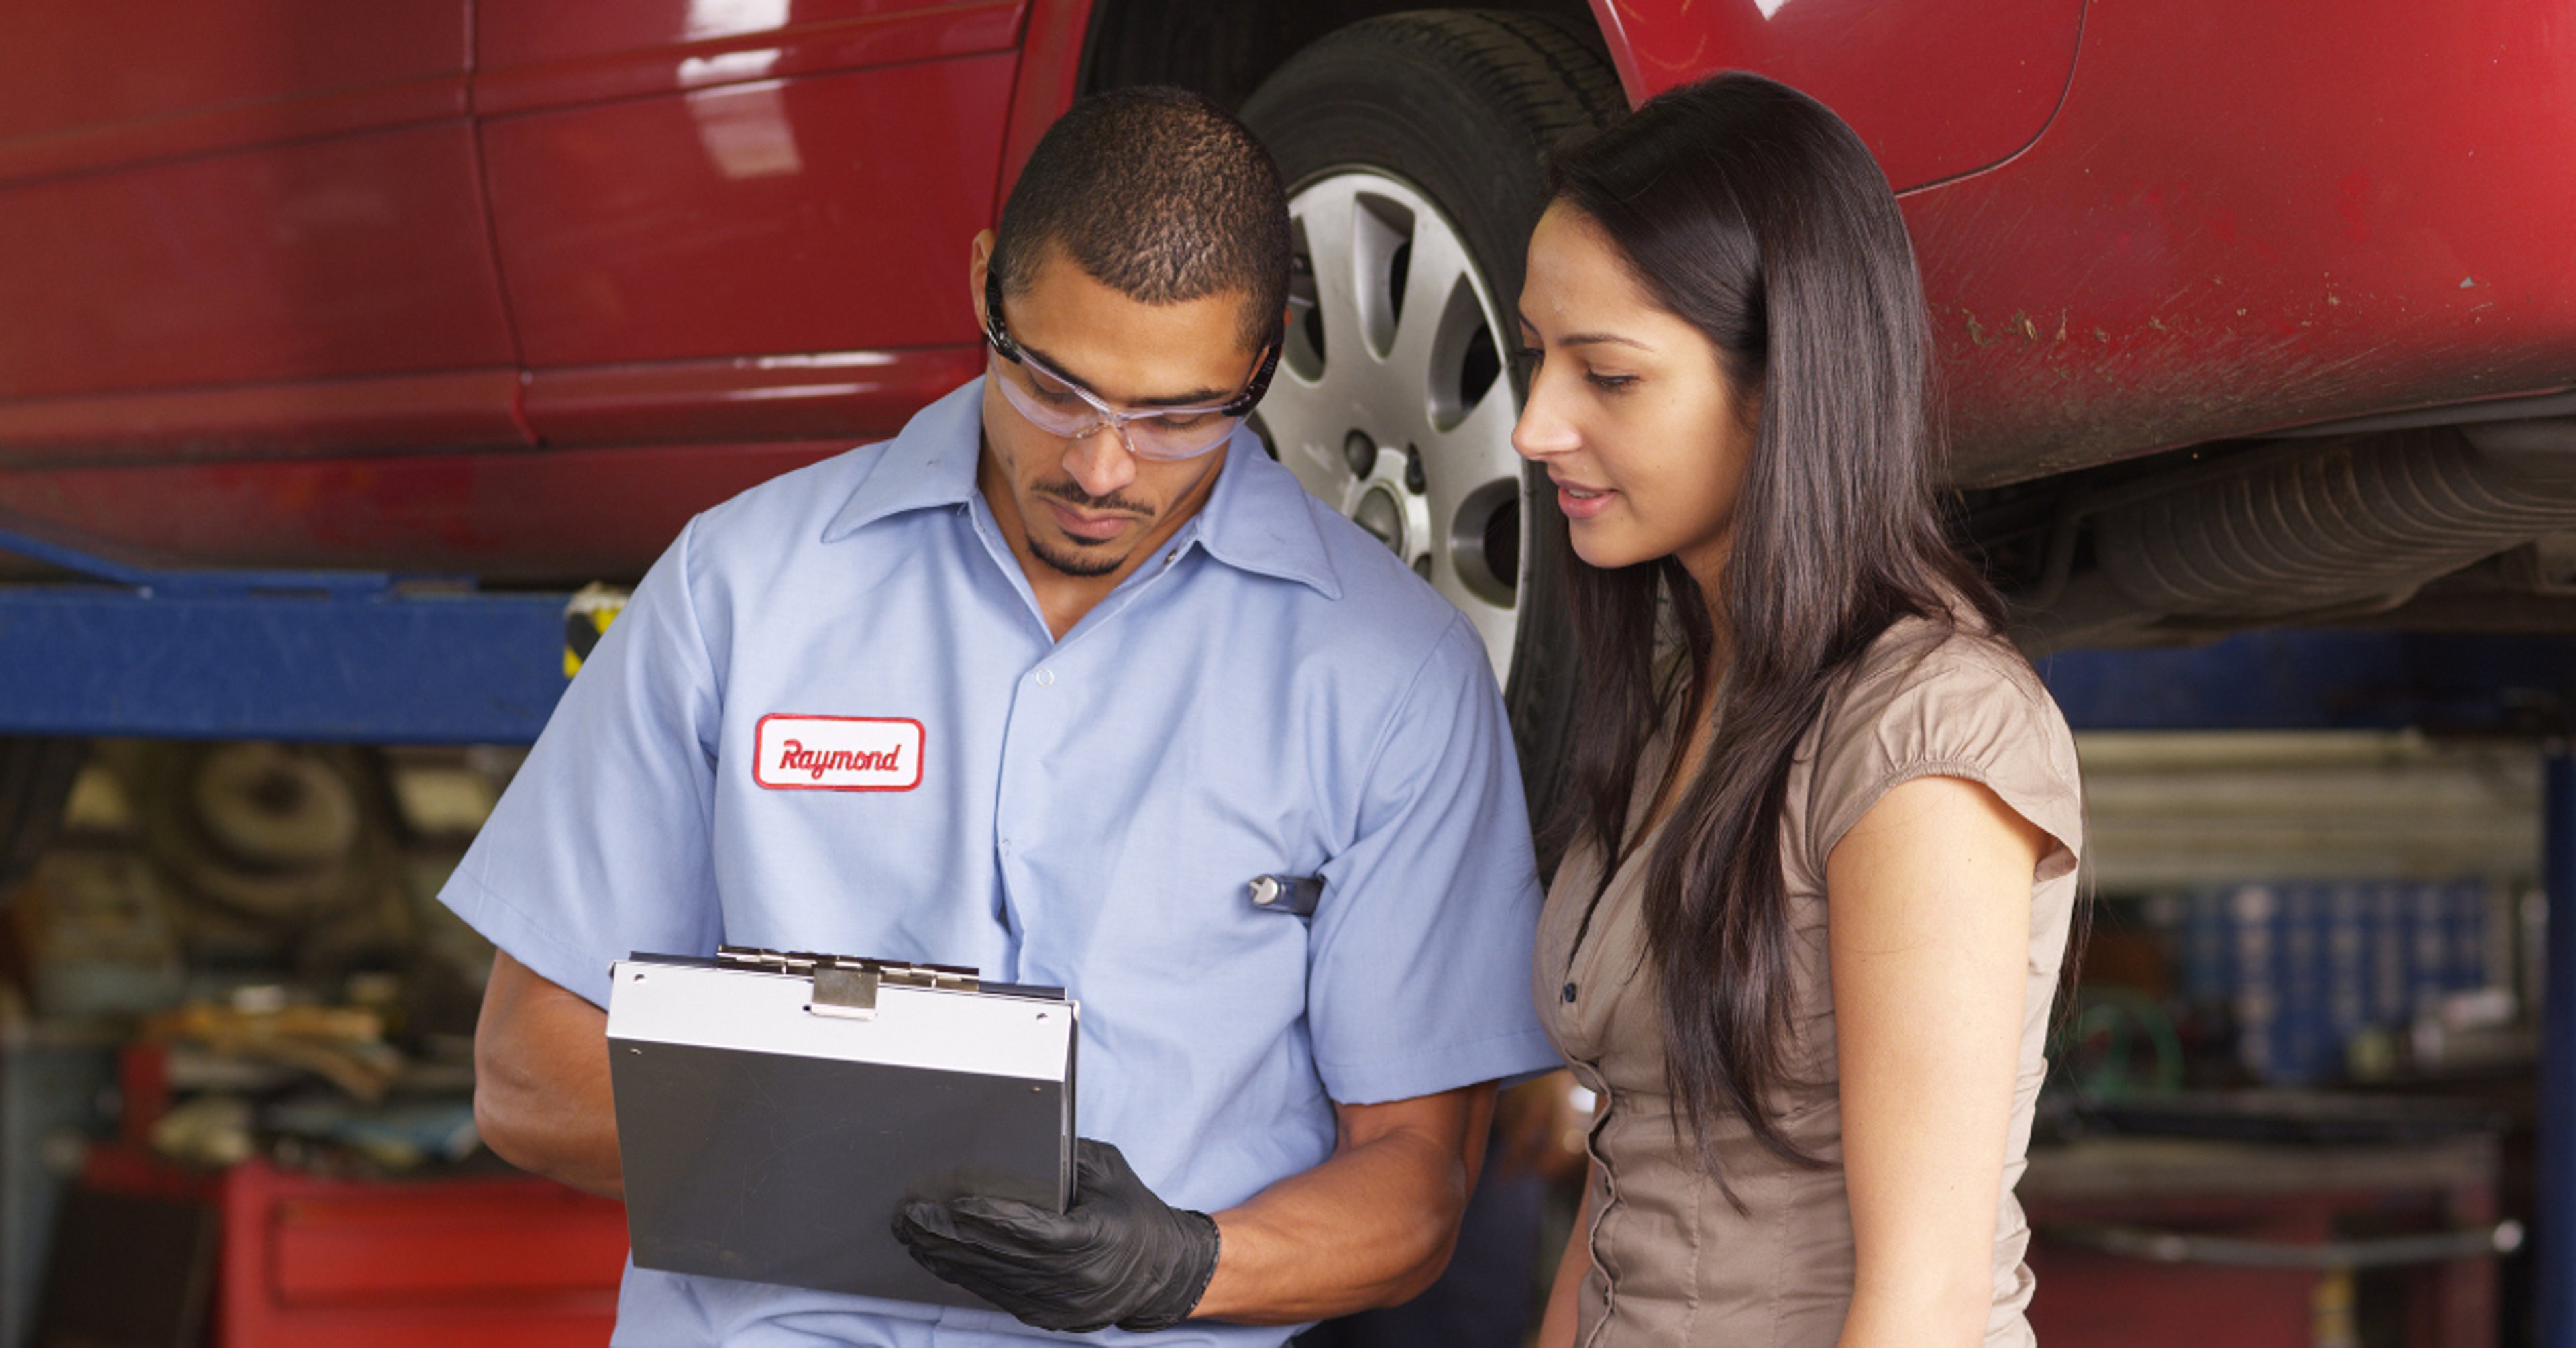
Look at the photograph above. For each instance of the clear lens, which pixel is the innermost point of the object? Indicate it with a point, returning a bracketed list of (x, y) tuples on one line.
[(1057, 412), (1061, 410), (1161, 437)]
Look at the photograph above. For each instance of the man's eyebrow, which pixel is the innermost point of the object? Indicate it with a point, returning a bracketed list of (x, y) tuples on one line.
[(1204, 397)]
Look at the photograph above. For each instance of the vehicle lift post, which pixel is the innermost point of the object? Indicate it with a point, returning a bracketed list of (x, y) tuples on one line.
[(2554, 1253)]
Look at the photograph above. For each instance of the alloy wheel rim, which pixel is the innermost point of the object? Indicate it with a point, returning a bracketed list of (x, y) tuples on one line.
[(1391, 402)]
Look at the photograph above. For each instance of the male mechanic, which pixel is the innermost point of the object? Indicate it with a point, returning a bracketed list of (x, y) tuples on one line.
[(1039, 686)]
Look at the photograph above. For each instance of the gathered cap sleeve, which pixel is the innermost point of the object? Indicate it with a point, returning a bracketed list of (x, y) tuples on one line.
[(1930, 702)]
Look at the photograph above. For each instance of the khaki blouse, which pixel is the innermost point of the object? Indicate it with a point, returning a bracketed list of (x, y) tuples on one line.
[(1672, 1261)]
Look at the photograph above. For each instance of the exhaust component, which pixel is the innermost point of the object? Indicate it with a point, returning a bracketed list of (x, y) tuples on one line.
[(2351, 521)]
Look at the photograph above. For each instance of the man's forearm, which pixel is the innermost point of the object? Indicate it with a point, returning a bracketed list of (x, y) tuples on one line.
[(541, 1088), (1373, 1226)]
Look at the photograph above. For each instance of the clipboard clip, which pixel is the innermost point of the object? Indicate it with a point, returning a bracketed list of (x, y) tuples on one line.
[(846, 985)]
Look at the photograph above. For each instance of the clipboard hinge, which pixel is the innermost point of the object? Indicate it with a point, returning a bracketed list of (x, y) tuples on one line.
[(846, 985)]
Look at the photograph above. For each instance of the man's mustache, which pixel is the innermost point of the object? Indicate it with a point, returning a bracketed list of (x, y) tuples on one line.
[(1075, 496)]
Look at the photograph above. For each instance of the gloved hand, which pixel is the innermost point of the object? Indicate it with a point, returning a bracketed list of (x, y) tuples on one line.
[(1120, 1256)]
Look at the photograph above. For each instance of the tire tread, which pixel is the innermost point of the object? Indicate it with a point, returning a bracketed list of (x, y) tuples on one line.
[(1538, 67)]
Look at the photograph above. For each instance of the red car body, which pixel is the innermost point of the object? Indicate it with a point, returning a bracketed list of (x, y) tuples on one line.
[(510, 287)]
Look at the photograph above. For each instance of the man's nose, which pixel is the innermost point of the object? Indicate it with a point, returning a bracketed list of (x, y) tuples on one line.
[(1100, 462)]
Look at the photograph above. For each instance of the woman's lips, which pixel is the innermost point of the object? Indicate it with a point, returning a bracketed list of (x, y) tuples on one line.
[(1097, 529), (1582, 503)]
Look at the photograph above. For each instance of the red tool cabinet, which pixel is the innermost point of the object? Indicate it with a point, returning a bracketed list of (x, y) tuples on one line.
[(2309, 1244), (496, 1262)]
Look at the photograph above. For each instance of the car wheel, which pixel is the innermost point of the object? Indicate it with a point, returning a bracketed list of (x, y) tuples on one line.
[(1412, 148)]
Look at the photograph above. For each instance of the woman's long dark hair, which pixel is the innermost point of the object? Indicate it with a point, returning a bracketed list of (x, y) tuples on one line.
[(1753, 213)]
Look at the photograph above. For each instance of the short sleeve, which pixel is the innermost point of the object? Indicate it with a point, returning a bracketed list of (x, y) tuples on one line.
[(1418, 980), (1963, 708), (600, 846)]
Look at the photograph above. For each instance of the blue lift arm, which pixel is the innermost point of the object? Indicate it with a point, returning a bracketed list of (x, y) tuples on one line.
[(2316, 679), (351, 657)]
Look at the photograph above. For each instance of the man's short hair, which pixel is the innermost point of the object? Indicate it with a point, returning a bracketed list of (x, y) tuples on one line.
[(1159, 195)]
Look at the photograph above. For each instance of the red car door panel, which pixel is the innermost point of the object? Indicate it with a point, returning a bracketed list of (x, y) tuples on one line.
[(742, 250), (537, 55), (269, 193), (1938, 88), (106, 82), (2246, 219)]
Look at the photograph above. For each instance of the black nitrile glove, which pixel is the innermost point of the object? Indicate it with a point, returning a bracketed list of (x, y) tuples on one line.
[(1120, 1256)]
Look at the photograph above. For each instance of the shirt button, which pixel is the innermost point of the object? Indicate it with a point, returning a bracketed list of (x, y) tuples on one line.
[(1569, 993), (1046, 678), (1006, 847)]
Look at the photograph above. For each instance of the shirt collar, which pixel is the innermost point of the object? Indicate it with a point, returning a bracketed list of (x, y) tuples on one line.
[(930, 462), (1258, 519)]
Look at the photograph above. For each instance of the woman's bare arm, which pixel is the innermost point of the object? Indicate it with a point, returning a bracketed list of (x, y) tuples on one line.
[(1928, 899), (1564, 1300)]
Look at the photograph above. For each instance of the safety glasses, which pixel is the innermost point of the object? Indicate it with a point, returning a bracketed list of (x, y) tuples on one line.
[(1057, 405)]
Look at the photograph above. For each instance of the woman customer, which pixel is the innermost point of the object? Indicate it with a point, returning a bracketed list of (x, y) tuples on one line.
[(1819, 859)]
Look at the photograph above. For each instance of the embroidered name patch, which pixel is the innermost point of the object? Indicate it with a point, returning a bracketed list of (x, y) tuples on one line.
[(837, 753)]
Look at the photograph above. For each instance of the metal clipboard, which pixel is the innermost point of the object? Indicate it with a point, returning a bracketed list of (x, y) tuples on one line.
[(775, 1109)]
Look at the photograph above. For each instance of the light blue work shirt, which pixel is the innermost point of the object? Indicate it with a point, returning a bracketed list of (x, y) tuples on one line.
[(1272, 692)]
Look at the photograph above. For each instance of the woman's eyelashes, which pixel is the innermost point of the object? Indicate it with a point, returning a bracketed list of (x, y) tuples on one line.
[(1527, 359)]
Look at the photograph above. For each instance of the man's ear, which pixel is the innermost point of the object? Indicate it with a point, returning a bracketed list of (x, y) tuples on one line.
[(979, 261)]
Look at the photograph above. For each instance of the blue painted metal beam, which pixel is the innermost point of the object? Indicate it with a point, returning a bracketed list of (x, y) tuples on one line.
[(356, 666), (355, 657), (181, 580), (2321, 680), (2554, 1252)]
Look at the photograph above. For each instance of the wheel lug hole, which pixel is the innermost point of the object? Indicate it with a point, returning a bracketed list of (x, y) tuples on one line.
[(1413, 479), (1382, 517), (1360, 452)]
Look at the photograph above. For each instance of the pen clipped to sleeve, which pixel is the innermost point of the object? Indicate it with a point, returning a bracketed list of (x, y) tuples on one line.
[(1293, 894)]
